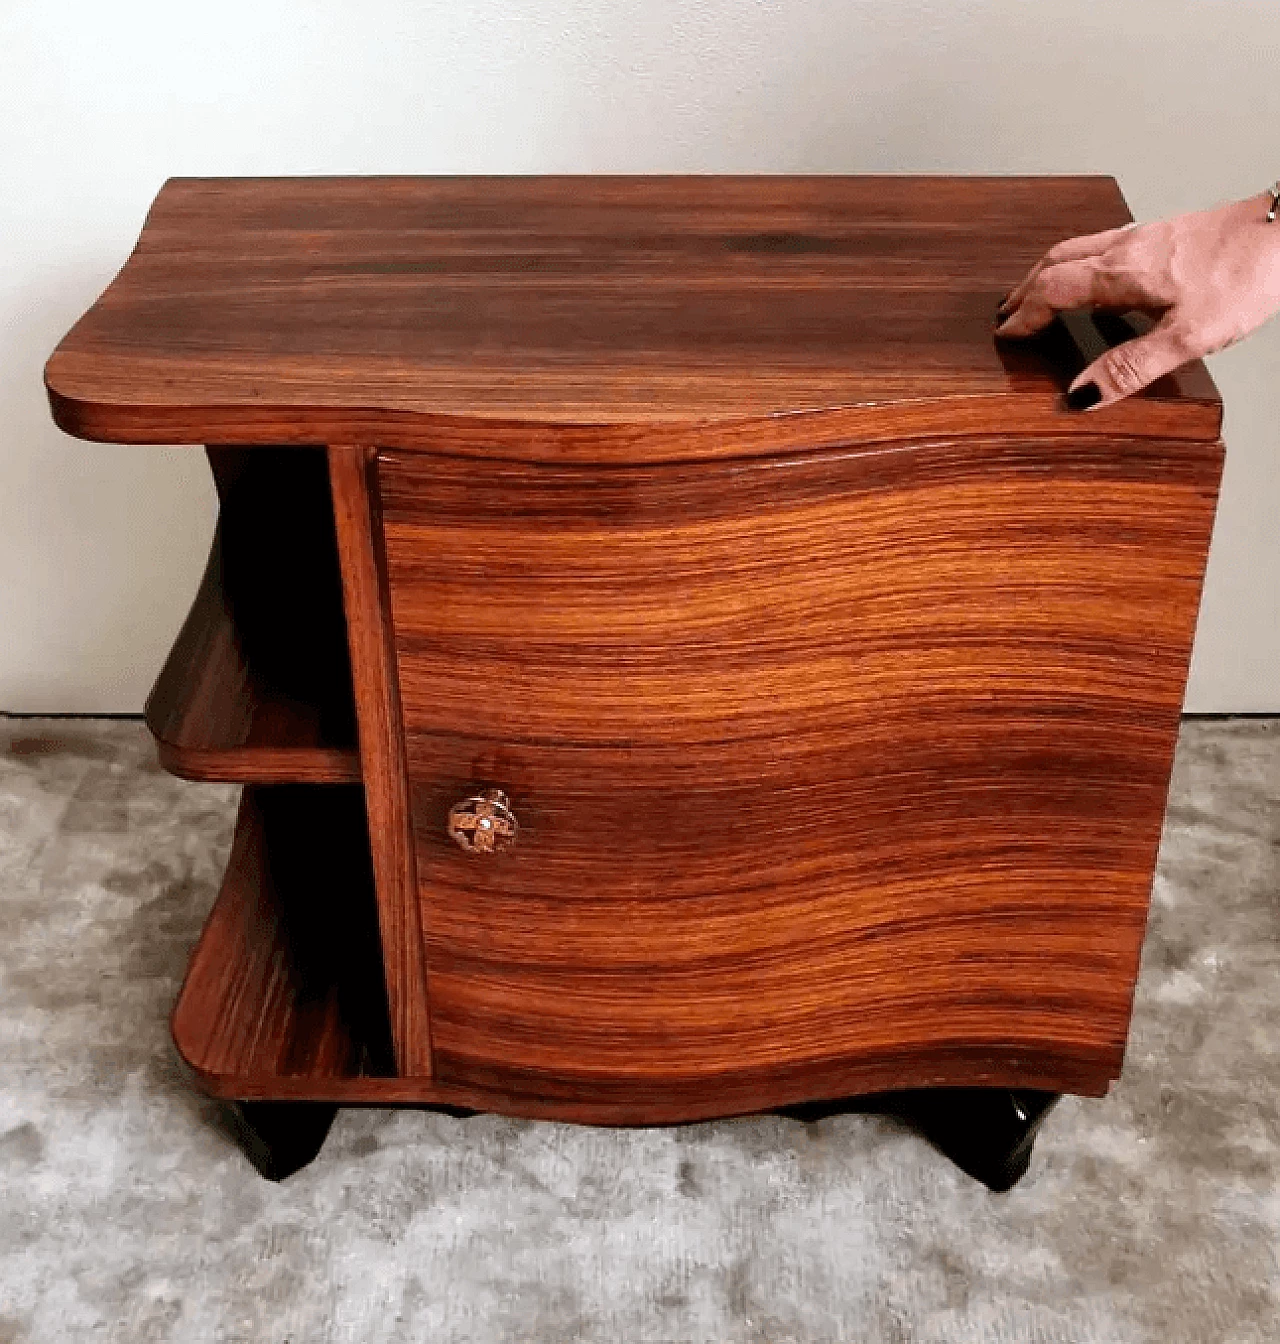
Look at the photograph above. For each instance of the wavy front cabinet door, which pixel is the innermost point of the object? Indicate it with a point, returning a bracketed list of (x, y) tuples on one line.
[(834, 769)]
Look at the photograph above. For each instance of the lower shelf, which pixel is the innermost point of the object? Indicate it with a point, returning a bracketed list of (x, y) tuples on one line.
[(284, 995)]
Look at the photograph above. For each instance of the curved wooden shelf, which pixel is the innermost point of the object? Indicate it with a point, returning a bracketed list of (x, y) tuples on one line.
[(257, 688), (285, 983), (214, 717)]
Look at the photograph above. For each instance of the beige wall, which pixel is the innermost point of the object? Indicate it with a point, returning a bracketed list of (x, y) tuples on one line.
[(100, 547)]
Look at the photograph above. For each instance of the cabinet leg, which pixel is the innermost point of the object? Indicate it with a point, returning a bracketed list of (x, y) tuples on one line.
[(987, 1132), (280, 1137)]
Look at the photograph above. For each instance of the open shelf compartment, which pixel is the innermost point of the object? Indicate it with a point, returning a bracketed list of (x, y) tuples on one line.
[(257, 688), (284, 996)]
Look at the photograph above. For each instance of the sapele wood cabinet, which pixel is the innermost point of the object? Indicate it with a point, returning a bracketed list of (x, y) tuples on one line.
[(679, 663)]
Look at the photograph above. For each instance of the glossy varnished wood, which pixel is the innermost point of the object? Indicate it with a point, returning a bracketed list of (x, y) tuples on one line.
[(377, 702), (283, 998), (831, 665), (312, 310), (257, 687), (726, 601), (286, 980), (822, 763)]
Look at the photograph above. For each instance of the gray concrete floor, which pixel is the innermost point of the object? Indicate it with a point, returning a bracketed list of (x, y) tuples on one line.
[(126, 1214)]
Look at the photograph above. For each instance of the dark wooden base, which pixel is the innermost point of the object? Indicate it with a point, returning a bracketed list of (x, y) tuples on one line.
[(989, 1133), (279, 1137)]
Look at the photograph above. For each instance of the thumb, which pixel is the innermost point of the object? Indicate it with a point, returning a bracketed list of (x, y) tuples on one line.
[(1133, 365)]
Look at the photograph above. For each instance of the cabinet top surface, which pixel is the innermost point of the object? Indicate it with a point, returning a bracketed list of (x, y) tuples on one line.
[(383, 310)]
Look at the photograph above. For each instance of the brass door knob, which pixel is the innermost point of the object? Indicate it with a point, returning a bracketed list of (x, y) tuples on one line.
[(483, 823)]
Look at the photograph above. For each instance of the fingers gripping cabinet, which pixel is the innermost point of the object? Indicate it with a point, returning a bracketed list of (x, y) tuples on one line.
[(680, 664)]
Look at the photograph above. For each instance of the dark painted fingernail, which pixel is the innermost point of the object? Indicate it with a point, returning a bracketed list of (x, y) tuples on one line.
[(1084, 396)]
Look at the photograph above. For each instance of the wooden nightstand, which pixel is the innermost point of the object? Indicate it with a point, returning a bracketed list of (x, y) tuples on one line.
[(679, 662)]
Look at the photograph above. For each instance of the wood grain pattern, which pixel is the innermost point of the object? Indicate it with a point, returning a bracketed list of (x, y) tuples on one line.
[(393, 310), (820, 763), (831, 665), (377, 703), (257, 687), (283, 998), (734, 601), (286, 980)]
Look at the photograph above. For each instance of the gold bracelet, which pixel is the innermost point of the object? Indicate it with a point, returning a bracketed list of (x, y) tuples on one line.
[(1275, 203)]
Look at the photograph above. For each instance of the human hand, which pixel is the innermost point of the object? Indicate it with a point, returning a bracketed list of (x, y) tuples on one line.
[(1211, 278)]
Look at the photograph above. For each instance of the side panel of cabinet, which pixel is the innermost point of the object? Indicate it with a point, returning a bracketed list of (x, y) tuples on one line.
[(358, 526), (833, 772)]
